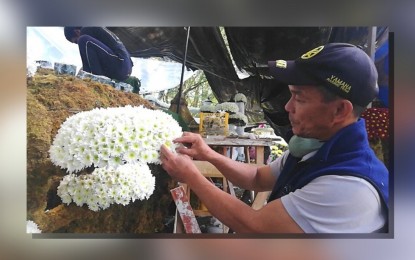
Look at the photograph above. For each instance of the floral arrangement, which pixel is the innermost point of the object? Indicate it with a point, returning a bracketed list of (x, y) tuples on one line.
[(32, 227), (208, 108), (239, 97), (238, 119), (229, 107), (106, 186), (112, 137), (276, 151), (118, 142)]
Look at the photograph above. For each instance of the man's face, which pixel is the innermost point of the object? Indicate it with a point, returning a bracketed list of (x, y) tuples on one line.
[(309, 115)]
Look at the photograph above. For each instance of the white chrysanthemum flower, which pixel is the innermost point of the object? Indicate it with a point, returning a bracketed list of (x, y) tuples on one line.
[(79, 200), (93, 207), (116, 151), (112, 193), (104, 202), (208, 108), (238, 119), (239, 97), (229, 107), (132, 137), (114, 161), (125, 201), (66, 198), (136, 146), (32, 227), (104, 153), (111, 137), (131, 156), (86, 159), (106, 186), (118, 199), (153, 157), (146, 143)]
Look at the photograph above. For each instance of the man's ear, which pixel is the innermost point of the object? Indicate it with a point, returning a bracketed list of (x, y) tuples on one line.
[(344, 109)]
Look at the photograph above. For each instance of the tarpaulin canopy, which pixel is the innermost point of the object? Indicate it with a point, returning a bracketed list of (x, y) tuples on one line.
[(250, 47)]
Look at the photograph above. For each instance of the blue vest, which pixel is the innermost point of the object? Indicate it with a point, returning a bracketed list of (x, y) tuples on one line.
[(346, 153)]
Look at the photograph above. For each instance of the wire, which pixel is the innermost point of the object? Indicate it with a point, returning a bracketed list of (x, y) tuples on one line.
[(181, 78)]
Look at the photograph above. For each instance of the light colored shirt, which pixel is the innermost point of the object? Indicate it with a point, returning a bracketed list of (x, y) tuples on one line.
[(333, 203)]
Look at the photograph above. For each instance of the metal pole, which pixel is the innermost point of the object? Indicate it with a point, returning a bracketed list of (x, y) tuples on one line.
[(371, 42), (183, 65)]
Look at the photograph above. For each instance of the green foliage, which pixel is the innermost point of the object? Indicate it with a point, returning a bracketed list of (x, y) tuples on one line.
[(134, 82), (195, 90)]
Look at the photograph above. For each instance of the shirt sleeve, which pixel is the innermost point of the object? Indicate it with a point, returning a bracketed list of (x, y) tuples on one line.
[(336, 204), (277, 165)]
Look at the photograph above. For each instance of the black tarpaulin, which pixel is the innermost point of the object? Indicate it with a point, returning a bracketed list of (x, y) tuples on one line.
[(251, 48)]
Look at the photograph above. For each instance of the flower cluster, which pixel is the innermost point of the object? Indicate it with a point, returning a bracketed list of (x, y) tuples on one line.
[(208, 108), (110, 137), (377, 121), (239, 97), (229, 107), (238, 119), (276, 151), (32, 227), (106, 186)]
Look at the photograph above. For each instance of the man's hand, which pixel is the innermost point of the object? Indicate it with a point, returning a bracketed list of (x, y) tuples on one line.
[(179, 166), (194, 146)]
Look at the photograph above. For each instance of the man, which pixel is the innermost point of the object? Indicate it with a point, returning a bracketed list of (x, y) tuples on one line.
[(329, 181), (102, 52)]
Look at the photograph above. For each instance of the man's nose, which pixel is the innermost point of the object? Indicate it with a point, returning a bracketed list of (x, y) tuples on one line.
[(288, 106)]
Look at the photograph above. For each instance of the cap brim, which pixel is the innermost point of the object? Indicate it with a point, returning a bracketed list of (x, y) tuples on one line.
[(291, 74)]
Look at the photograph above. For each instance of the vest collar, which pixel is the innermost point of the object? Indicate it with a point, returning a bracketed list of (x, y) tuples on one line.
[(349, 138)]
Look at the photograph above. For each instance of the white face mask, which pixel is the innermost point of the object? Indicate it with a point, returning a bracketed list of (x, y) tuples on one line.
[(300, 146)]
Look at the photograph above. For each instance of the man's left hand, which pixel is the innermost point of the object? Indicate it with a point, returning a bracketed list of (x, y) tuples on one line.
[(179, 166)]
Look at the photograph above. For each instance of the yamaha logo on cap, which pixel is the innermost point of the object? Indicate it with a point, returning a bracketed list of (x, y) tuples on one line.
[(312, 53)]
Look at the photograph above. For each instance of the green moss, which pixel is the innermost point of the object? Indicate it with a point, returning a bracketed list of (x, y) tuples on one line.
[(50, 100)]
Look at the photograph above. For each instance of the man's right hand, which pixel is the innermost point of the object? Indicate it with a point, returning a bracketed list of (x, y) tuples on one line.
[(194, 146)]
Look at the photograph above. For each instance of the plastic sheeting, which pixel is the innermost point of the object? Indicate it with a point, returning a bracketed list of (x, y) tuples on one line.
[(251, 48)]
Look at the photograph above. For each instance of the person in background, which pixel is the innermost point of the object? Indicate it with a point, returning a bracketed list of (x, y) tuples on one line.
[(102, 52), (329, 180)]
